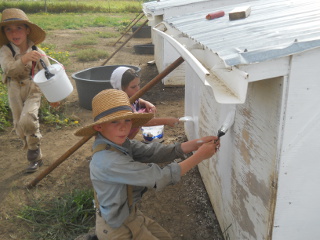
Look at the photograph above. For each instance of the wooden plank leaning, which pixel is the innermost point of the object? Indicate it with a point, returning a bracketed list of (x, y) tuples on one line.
[(128, 28), (143, 90), (125, 42)]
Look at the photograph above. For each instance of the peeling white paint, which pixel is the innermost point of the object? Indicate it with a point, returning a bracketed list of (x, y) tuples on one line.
[(264, 181)]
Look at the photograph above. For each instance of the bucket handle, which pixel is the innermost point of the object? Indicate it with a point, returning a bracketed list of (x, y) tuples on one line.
[(43, 55)]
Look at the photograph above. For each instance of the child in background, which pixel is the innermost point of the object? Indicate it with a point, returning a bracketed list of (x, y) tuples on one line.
[(121, 170), (19, 60), (126, 79)]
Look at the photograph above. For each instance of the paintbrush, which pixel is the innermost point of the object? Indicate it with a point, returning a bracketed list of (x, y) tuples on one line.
[(225, 126)]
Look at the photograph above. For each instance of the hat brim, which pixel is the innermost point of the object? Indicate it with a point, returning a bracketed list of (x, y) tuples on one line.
[(138, 119), (37, 34)]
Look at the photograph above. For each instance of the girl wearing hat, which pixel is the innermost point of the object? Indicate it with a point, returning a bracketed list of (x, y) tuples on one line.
[(121, 170), (126, 79), (19, 60)]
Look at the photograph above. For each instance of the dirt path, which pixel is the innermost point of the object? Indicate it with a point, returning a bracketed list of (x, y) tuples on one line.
[(184, 209)]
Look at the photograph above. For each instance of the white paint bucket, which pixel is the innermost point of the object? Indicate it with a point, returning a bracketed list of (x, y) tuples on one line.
[(57, 87)]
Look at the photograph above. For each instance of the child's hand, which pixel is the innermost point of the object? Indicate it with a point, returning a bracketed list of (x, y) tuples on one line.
[(195, 144), (150, 107), (206, 139), (208, 149), (32, 56), (147, 105), (207, 146)]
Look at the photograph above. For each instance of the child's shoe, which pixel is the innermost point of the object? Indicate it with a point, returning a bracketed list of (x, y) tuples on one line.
[(34, 166)]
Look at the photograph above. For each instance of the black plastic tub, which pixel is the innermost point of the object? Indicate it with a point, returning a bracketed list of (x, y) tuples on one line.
[(144, 32), (144, 49), (91, 81)]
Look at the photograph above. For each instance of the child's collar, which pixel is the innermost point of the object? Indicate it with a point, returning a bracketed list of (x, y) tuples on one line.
[(101, 138)]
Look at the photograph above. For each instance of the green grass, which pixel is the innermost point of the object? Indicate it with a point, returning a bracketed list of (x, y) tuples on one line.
[(62, 218), (107, 35), (50, 50), (90, 54), (79, 21), (76, 6), (5, 119), (86, 40)]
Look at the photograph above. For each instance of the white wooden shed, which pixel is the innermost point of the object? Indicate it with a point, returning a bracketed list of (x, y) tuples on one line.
[(264, 182), (156, 12)]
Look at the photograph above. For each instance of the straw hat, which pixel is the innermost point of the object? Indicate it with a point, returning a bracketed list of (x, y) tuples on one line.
[(17, 16), (110, 105)]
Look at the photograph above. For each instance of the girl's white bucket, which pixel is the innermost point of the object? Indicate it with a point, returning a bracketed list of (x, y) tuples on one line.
[(57, 87)]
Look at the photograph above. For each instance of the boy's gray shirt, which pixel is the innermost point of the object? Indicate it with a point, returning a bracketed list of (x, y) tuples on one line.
[(131, 164)]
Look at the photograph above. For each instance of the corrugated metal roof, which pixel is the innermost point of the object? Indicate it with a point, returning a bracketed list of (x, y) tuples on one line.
[(158, 8), (275, 28)]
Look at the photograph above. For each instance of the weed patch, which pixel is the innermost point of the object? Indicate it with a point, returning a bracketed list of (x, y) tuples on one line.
[(108, 34), (86, 40), (56, 117), (50, 50), (5, 120), (92, 54), (63, 218)]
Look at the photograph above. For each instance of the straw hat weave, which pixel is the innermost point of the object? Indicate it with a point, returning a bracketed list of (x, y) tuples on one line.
[(17, 16), (111, 105)]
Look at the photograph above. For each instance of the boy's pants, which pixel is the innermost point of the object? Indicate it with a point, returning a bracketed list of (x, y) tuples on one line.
[(136, 227), (24, 99)]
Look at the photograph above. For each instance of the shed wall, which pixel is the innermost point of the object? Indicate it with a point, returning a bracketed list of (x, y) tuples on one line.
[(297, 214), (240, 178)]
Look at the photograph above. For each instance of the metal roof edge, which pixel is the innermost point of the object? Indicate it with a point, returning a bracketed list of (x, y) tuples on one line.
[(222, 93), (252, 56)]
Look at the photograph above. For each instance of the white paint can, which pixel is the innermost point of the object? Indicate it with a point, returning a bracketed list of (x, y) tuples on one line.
[(57, 87)]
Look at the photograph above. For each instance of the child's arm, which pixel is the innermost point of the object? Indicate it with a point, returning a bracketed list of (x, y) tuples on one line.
[(170, 121), (148, 105), (206, 147)]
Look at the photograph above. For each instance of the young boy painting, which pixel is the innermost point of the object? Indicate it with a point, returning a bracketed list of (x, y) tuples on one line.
[(121, 170), (19, 60)]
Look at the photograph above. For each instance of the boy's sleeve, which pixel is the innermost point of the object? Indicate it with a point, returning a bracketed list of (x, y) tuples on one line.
[(12, 67), (115, 167), (155, 152)]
